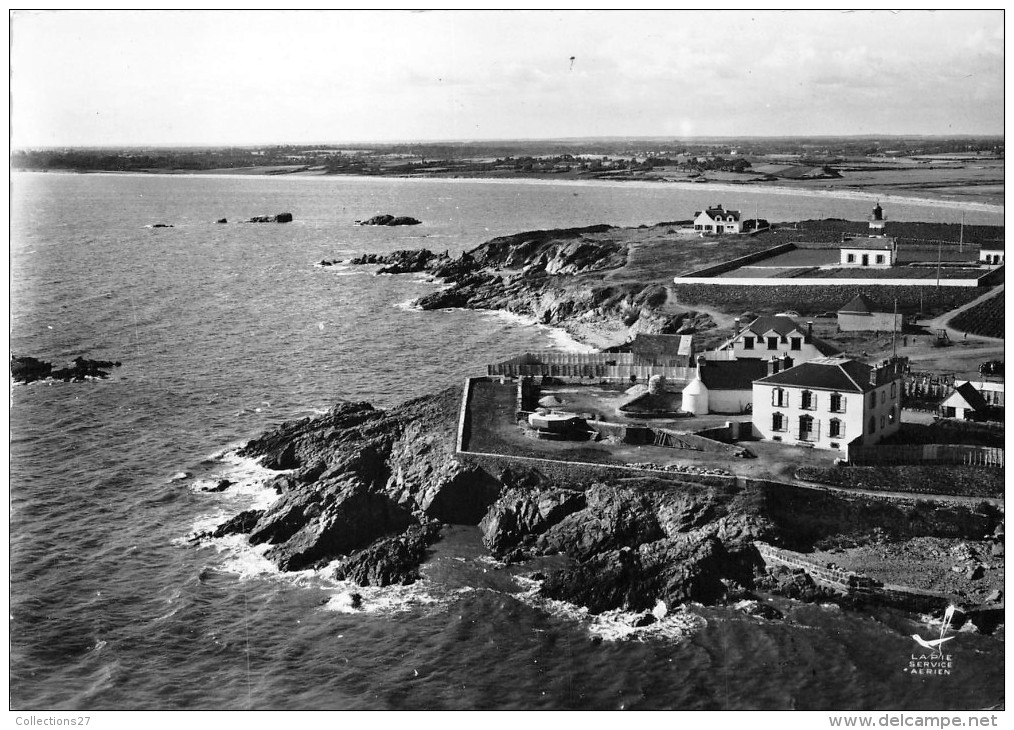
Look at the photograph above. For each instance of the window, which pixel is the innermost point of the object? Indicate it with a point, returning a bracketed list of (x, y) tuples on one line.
[(779, 398), (880, 258), (796, 343), (883, 421), (837, 403), (850, 258), (806, 428), (883, 397), (894, 390), (808, 402), (835, 430), (748, 343), (777, 422), (873, 424), (891, 415), (773, 343)]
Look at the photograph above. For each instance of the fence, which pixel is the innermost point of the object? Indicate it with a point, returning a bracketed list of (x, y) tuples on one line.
[(954, 454), (593, 365)]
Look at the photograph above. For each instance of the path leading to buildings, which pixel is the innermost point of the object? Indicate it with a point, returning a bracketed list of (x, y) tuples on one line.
[(941, 322)]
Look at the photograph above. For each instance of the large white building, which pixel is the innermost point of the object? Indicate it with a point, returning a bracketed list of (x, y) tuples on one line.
[(828, 403), (869, 251), (775, 336), (718, 220)]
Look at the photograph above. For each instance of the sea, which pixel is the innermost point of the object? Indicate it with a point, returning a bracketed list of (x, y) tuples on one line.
[(225, 330)]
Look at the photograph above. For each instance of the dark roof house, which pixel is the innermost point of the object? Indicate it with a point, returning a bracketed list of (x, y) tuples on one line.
[(832, 373)]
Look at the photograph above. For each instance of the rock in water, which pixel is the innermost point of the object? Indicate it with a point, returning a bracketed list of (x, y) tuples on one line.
[(29, 369), (389, 220), (280, 218), (336, 518), (241, 524), (390, 560)]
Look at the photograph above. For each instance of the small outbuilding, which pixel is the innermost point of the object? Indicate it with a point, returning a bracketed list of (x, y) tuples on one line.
[(862, 315), (965, 403), (991, 256)]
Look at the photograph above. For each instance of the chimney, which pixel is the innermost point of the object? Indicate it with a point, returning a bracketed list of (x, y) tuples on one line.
[(737, 325), (773, 365), (809, 331), (873, 377), (700, 364), (786, 362)]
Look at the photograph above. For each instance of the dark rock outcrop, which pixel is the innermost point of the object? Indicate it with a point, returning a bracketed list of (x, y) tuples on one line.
[(30, 369), (405, 261), (389, 220), (357, 475), (390, 560), (280, 218), (241, 524), (222, 220)]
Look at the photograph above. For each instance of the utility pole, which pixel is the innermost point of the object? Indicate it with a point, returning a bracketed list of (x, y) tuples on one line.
[(894, 336), (939, 244)]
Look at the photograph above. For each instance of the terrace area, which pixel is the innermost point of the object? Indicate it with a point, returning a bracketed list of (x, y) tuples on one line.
[(495, 429)]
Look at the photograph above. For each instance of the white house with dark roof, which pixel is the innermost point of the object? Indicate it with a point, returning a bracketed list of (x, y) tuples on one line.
[(869, 251), (828, 403), (718, 220), (774, 336)]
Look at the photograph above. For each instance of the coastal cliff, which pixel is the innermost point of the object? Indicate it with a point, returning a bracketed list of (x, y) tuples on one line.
[(577, 278), (366, 491)]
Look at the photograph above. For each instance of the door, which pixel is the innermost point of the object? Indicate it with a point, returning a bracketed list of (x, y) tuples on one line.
[(866, 259)]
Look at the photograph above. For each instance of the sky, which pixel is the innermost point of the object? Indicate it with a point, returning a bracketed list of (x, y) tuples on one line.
[(89, 78)]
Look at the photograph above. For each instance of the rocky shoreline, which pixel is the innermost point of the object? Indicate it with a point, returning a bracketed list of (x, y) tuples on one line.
[(557, 277), (365, 492)]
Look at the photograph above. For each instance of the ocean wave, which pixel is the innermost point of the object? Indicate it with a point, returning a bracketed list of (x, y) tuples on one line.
[(560, 339), (351, 598), (409, 305), (673, 625)]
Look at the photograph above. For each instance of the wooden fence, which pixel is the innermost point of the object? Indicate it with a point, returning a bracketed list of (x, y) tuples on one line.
[(953, 454), (593, 365)]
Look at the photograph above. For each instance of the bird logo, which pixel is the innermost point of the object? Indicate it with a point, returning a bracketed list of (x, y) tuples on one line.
[(934, 645)]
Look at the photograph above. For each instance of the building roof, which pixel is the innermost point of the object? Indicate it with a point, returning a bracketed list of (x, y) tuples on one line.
[(826, 373), (781, 325), (872, 243), (655, 345), (732, 374), (972, 398), (860, 304), (719, 211)]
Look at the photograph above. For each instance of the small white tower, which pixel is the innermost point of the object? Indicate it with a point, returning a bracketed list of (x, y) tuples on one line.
[(695, 395), (877, 221)]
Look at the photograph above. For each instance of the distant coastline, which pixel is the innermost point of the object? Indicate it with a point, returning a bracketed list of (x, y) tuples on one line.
[(725, 187)]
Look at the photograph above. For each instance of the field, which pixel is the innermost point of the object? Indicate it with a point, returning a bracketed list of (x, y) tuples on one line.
[(985, 318), (812, 300), (937, 479), (896, 272)]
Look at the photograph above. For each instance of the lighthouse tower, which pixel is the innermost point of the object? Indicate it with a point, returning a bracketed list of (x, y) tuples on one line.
[(877, 221)]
